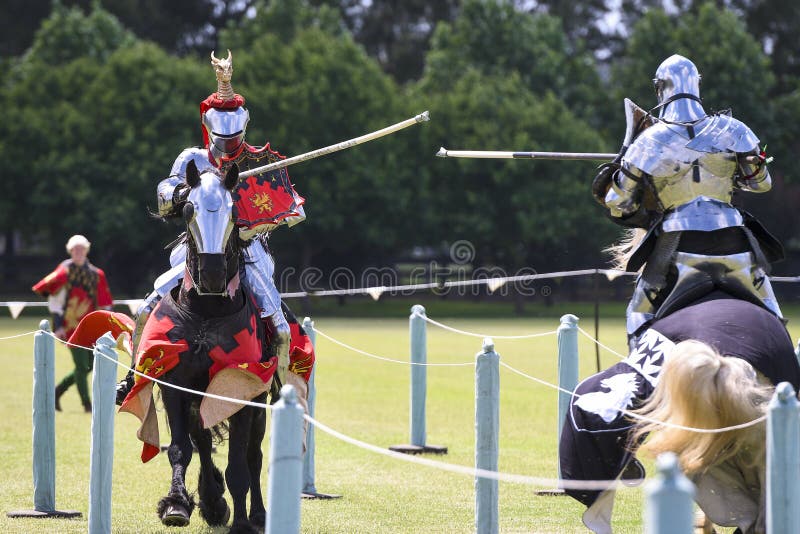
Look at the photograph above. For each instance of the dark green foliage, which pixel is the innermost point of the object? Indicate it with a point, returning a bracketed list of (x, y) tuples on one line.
[(96, 106)]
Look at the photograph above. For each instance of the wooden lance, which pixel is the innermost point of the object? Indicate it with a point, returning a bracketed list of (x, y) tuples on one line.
[(422, 117)]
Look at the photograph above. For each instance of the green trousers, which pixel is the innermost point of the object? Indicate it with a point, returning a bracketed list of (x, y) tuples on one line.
[(84, 360)]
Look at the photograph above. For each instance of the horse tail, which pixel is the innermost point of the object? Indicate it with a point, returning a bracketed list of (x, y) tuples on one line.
[(623, 249), (698, 388)]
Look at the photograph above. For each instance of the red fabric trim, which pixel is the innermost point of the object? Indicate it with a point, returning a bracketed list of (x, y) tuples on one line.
[(97, 323), (149, 452), (301, 353)]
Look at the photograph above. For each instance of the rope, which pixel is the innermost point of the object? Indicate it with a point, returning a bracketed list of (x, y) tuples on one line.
[(375, 356), (471, 471), (464, 332), (21, 335), (609, 349)]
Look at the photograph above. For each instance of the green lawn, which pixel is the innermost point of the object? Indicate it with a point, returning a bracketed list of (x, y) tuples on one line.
[(362, 397)]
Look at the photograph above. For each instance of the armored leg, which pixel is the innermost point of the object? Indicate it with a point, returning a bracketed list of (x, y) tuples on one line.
[(259, 271)]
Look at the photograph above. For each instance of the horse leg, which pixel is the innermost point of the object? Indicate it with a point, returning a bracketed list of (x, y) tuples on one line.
[(255, 459), (237, 474), (210, 484), (176, 508)]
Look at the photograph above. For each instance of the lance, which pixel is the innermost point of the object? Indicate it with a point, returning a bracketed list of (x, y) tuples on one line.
[(422, 117), (497, 154), (596, 156)]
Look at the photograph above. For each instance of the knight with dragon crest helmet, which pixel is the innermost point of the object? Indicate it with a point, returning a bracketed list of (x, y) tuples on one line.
[(673, 184), (271, 196)]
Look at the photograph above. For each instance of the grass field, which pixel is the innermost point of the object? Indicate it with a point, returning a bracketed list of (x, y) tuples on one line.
[(359, 396)]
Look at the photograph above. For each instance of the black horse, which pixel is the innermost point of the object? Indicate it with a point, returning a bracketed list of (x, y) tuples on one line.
[(206, 336)]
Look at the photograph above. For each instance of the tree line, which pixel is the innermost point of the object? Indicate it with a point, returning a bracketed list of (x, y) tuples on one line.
[(98, 103)]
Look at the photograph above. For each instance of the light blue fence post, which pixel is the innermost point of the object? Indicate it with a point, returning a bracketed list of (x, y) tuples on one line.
[(44, 420), (44, 429), (567, 380), (419, 385), (419, 373), (104, 381), (487, 429), (285, 464), (783, 461), (567, 366), (669, 499), (309, 486)]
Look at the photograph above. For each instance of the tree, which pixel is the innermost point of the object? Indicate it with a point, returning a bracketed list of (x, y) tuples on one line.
[(495, 38), (41, 96), (773, 23), (396, 33)]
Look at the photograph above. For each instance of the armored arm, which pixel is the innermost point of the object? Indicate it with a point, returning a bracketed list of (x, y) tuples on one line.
[(171, 190), (751, 172)]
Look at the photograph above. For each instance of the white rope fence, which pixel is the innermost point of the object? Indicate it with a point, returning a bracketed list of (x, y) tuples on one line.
[(465, 470), (553, 386)]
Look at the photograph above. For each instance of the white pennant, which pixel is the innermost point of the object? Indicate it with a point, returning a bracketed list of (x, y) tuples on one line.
[(376, 292), (494, 284), (15, 308), (133, 305)]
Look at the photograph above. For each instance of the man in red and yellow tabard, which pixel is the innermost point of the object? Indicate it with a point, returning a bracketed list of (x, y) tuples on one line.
[(75, 289)]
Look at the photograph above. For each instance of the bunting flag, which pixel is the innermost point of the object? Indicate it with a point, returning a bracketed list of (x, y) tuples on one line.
[(15, 308), (494, 284), (376, 292)]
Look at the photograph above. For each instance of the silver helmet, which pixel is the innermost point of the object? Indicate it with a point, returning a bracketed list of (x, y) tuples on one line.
[(677, 84), (225, 129)]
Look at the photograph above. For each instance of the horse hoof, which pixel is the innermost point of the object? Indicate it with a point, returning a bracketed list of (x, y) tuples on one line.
[(175, 516)]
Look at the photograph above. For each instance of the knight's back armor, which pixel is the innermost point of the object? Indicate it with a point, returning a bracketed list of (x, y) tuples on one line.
[(693, 187), (681, 173)]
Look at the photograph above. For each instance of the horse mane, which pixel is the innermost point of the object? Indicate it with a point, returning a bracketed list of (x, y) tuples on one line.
[(699, 388), (623, 249)]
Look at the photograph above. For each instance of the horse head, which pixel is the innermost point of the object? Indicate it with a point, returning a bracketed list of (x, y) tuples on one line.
[(212, 258)]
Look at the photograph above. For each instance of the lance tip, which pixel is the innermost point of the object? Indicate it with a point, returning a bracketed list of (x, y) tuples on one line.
[(442, 152), (424, 116)]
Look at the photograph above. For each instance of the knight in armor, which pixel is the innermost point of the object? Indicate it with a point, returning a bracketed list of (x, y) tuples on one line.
[(224, 123), (673, 183)]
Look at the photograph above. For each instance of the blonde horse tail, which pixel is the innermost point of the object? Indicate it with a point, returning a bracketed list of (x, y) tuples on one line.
[(698, 388), (622, 250)]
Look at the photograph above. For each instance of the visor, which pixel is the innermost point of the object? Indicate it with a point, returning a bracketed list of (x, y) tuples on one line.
[(223, 123), (226, 145)]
